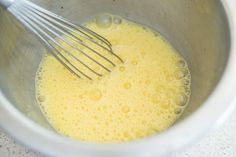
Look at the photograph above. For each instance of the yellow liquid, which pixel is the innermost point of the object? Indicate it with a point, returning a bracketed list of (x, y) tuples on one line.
[(139, 98)]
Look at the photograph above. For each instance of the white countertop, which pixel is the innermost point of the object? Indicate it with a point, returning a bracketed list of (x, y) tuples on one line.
[(219, 143)]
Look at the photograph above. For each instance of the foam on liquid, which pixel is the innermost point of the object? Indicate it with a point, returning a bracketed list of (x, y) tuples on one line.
[(141, 97)]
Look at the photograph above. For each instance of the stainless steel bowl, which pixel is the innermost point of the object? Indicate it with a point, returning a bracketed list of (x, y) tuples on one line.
[(203, 31)]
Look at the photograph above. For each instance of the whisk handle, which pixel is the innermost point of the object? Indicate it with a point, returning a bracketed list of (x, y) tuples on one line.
[(6, 3)]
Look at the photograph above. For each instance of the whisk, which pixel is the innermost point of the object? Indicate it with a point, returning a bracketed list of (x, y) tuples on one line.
[(61, 36)]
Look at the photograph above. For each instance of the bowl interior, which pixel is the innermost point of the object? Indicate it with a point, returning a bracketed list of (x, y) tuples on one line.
[(198, 29)]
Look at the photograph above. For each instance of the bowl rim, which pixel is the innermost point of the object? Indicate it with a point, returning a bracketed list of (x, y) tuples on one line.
[(217, 108)]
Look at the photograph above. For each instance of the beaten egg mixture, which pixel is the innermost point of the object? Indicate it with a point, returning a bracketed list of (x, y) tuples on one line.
[(143, 96)]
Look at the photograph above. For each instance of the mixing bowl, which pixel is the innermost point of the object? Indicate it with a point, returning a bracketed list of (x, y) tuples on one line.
[(203, 31)]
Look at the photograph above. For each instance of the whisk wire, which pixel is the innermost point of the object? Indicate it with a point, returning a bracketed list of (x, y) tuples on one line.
[(45, 42), (69, 34), (50, 27), (70, 66), (70, 44), (37, 30), (75, 27)]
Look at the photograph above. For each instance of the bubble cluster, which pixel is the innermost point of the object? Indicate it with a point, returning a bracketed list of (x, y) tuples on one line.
[(141, 97)]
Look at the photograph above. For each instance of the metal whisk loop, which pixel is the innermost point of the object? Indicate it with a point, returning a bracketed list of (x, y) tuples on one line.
[(90, 49)]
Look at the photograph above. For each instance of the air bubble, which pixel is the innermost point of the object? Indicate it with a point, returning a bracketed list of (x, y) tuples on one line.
[(155, 99), (144, 122), (164, 106), (122, 68), (41, 98), (114, 42), (95, 95), (181, 63), (156, 34), (127, 85), (186, 82), (182, 100), (125, 109), (117, 20), (147, 82), (104, 21), (187, 90), (126, 134), (179, 74), (39, 78), (143, 53), (177, 110), (145, 93), (65, 107), (95, 117), (134, 62)]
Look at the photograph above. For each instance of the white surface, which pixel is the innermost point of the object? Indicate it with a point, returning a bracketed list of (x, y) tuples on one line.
[(219, 143)]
